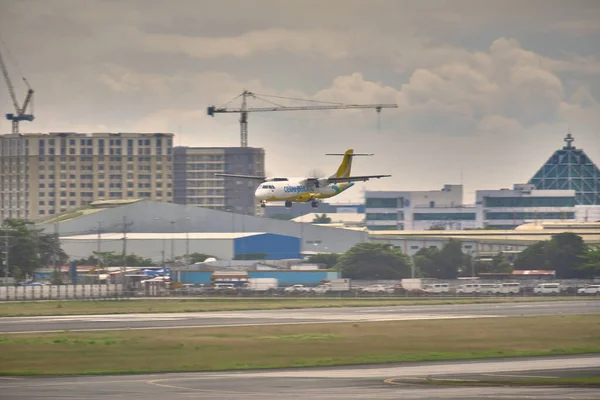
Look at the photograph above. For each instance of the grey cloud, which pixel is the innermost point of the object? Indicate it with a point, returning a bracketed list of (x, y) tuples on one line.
[(468, 76)]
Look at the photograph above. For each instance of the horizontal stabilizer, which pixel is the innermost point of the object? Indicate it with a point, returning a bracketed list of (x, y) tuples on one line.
[(252, 177), (356, 178), (351, 155)]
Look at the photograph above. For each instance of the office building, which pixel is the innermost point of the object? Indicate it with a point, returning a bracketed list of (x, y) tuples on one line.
[(418, 210), (507, 209), (196, 184), (45, 174)]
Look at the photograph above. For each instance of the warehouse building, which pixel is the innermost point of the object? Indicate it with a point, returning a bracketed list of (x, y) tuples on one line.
[(168, 246), (150, 217)]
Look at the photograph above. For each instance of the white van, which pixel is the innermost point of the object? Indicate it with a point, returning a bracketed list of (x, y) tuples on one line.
[(488, 288), (547, 288), (437, 288), (508, 288), (468, 288)]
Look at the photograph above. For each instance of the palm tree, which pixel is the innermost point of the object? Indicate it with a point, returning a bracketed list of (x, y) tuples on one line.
[(321, 219)]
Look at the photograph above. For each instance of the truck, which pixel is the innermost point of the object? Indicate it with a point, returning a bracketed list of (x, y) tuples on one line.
[(338, 285), (262, 285)]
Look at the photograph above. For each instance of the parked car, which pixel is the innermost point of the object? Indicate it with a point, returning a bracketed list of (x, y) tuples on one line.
[(590, 289), (381, 289)]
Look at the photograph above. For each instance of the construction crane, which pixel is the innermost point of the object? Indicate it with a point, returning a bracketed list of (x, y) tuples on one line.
[(20, 112), (244, 110)]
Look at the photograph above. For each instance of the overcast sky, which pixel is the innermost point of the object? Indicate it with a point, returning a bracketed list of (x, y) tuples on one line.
[(486, 90)]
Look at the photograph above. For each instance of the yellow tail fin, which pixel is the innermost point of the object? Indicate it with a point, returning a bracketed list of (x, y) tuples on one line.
[(346, 165)]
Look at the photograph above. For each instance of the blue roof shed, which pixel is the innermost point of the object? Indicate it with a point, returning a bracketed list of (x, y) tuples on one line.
[(275, 247)]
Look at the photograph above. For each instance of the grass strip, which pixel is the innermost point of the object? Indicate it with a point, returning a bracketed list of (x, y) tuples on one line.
[(91, 307), (238, 348)]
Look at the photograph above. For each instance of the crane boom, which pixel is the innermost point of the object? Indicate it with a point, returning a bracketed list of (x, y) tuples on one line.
[(244, 110), (20, 112), (213, 110), (11, 89)]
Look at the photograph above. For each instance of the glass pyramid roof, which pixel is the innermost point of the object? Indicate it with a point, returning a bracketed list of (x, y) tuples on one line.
[(570, 168)]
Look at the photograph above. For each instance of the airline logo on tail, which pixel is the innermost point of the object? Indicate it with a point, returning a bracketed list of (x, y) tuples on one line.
[(346, 165)]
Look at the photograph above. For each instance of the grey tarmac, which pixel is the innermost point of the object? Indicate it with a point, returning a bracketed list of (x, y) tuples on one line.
[(350, 382), (296, 316)]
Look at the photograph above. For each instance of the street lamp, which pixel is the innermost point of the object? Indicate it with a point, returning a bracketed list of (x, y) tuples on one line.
[(187, 241), (172, 222)]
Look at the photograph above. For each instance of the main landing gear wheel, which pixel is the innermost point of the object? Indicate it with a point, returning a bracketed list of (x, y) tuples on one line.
[(314, 204), (263, 204), (288, 204)]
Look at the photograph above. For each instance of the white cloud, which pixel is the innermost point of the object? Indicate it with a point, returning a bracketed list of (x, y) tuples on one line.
[(467, 89), (307, 42)]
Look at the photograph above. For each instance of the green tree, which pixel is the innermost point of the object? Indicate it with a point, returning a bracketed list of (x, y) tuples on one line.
[(451, 259), (590, 266), (426, 262), (329, 259), (29, 248), (321, 219), (561, 254), (565, 255), (374, 261), (199, 257), (497, 264), (56, 277), (534, 257)]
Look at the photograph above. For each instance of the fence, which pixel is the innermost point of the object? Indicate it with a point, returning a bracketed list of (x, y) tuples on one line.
[(61, 292)]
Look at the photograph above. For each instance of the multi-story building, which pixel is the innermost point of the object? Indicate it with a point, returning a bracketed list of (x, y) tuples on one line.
[(418, 210), (196, 183), (507, 209), (46, 174)]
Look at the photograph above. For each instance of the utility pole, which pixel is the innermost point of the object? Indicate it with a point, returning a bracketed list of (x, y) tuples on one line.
[(57, 240), (172, 242), (126, 226), (99, 244), (6, 251)]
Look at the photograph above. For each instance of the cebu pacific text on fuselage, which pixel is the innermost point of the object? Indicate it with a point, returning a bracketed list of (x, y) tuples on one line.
[(295, 189)]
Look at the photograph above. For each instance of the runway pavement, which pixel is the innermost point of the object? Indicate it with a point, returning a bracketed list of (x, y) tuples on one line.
[(371, 382), (299, 316)]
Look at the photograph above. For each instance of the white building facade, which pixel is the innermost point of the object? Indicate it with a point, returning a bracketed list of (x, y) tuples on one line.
[(507, 209), (418, 210)]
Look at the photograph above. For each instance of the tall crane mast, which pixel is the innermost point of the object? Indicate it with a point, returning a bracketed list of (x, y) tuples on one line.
[(20, 111), (244, 110)]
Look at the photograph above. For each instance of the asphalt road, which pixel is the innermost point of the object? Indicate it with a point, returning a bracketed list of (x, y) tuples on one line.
[(371, 382), (300, 316)]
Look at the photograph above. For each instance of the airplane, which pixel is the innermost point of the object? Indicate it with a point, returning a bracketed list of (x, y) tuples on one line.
[(302, 190)]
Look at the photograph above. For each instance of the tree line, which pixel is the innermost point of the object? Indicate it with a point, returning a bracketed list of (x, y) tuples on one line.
[(565, 253), (28, 248)]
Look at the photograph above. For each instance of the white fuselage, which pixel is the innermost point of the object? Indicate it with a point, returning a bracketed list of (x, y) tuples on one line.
[(296, 189)]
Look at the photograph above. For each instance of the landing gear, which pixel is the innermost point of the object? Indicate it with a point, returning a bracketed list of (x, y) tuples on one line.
[(288, 204), (314, 204), (263, 204)]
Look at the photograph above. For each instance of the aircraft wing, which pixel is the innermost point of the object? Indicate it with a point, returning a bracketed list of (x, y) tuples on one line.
[(251, 177), (356, 178)]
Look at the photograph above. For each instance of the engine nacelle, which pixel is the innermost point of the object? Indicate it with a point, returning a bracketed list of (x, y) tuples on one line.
[(322, 182)]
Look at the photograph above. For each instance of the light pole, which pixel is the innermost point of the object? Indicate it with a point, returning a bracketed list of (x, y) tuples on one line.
[(172, 222), (187, 240)]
